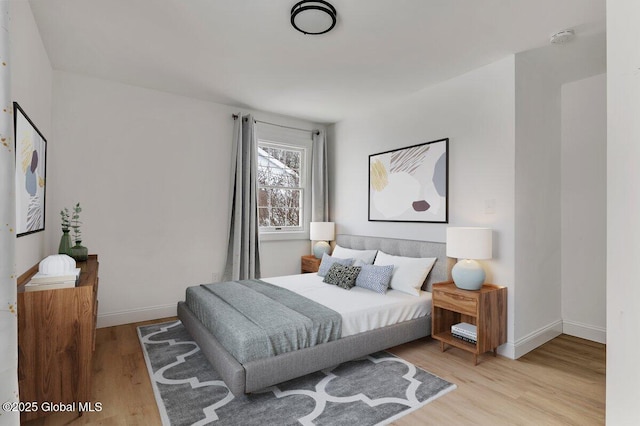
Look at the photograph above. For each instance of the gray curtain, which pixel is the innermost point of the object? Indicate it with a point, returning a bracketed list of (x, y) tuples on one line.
[(243, 253), (319, 179)]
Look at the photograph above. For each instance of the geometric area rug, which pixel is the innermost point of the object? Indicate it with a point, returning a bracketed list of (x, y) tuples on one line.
[(373, 390)]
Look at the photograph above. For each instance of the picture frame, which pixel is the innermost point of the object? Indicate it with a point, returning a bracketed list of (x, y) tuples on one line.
[(410, 184), (30, 174)]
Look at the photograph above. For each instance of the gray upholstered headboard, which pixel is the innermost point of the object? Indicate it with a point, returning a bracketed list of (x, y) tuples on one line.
[(441, 270)]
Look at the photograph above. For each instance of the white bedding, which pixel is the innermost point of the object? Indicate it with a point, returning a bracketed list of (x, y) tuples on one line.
[(361, 309)]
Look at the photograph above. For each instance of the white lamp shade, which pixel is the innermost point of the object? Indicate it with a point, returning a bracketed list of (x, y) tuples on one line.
[(322, 231), (469, 243)]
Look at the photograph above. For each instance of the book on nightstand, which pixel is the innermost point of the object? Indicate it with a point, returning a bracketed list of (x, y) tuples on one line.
[(465, 329), (465, 338)]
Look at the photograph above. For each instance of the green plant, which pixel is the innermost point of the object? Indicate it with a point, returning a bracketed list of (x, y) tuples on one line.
[(64, 216), (75, 223)]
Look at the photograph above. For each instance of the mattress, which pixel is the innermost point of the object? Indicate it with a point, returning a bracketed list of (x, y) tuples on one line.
[(254, 320), (361, 309)]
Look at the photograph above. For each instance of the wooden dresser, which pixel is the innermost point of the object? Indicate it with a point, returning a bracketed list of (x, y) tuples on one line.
[(56, 339)]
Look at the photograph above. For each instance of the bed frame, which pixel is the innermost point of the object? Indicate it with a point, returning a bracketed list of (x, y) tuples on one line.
[(259, 374)]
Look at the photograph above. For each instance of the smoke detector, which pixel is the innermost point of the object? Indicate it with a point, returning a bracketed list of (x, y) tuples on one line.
[(563, 37)]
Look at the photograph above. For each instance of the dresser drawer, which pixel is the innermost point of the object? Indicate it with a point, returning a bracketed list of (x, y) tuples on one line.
[(455, 302)]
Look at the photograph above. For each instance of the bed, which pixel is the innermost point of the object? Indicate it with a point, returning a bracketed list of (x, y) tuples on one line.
[(409, 320)]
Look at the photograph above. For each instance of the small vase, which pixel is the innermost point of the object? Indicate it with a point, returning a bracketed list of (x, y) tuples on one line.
[(79, 252), (65, 243)]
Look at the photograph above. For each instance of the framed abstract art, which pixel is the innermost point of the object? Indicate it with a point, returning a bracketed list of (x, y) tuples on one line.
[(410, 184), (31, 167)]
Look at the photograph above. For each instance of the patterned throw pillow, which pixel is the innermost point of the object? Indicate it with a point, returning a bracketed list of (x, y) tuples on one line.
[(374, 277), (328, 261), (342, 276)]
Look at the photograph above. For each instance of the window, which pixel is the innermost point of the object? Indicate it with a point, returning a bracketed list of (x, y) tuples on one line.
[(284, 197), (280, 190)]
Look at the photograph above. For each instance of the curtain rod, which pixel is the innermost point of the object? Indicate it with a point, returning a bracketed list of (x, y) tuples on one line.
[(317, 132)]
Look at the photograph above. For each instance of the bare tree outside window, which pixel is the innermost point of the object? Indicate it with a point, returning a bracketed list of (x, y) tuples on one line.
[(280, 189)]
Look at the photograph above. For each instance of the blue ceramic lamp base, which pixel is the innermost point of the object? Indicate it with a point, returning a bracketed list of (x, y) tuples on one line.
[(320, 248), (468, 274)]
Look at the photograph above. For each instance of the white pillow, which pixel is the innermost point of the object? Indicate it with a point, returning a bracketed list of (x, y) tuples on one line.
[(409, 273), (366, 256)]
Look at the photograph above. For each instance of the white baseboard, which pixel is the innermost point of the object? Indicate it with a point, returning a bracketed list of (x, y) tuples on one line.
[(507, 350), (537, 338), (551, 331), (585, 331), (135, 315)]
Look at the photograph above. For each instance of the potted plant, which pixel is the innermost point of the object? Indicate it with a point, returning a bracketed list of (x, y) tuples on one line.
[(78, 252), (65, 241)]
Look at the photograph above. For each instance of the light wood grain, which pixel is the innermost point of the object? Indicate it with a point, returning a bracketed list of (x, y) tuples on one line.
[(309, 264), (560, 383)]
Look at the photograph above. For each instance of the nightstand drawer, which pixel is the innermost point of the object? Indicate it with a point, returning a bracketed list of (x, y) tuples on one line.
[(455, 302)]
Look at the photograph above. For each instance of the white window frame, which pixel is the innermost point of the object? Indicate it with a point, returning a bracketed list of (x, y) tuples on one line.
[(299, 140)]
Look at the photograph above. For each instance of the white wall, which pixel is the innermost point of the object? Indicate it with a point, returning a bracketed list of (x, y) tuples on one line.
[(623, 210), (476, 111), (151, 171), (537, 200), (31, 83), (584, 207), (280, 258)]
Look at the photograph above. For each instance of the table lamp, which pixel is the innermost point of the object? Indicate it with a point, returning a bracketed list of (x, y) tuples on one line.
[(322, 232), (468, 245)]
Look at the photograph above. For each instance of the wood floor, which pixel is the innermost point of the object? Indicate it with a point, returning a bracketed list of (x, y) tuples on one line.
[(560, 383)]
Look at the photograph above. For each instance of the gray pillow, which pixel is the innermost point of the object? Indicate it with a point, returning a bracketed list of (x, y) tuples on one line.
[(328, 261), (342, 276), (375, 277)]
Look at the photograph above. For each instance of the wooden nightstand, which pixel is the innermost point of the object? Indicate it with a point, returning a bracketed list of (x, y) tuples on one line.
[(486, 308), (309, 263)]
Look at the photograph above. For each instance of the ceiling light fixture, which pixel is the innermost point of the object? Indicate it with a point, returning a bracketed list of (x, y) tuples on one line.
[(313, 17), (562, 37)]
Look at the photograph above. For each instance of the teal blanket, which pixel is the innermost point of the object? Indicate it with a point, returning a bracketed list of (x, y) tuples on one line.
[(253, 319)]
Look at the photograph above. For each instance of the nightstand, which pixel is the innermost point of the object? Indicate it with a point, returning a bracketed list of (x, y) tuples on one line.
[(485, 308), (309, 263)]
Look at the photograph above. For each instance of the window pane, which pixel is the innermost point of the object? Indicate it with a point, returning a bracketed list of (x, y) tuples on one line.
[(276, 154), (268, 176), (271, 152), (280, 177), (263, 216), (292, 179), (292, 159), (295, 198), (274, 199), (263, 197), (278, 216), (293, 217), (262, 175)]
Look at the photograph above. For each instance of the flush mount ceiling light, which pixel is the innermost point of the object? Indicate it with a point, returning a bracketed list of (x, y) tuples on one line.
[(313, 17), (562, 37)]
